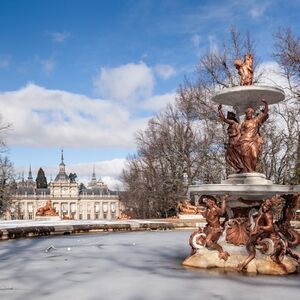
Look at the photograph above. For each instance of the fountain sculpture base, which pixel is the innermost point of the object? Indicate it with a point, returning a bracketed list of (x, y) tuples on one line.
[(262, 264), (247, 178)]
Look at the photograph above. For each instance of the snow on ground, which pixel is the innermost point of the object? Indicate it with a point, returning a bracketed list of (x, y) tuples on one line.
[(30, 223)]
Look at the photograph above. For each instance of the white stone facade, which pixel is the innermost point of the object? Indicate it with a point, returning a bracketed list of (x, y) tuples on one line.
[(105, 207), (96, 202)]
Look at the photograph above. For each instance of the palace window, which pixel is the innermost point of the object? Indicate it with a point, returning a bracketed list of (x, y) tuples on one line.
[(105, 207), (113, 207), (73, 210), (30, 208), (64, 209), (56, 206)]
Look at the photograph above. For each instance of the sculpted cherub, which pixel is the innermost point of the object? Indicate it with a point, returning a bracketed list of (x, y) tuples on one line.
[(213, 228), (245, 69)]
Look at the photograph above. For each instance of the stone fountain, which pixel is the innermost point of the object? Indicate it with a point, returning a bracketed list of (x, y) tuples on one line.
[(251, 238)]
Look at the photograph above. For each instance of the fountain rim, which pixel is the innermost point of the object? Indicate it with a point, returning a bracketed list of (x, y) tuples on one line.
[(233, 96)]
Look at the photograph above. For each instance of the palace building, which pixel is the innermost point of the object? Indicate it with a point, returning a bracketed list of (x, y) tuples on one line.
[(70, 199)]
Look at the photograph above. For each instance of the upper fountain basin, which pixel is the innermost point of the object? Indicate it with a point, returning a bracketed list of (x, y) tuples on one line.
[(242, 97)]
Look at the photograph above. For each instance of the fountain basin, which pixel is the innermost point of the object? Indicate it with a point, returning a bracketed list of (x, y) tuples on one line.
[(242, 97), (246, 191)]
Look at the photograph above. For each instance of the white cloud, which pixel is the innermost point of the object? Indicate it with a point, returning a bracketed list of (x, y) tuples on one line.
[(258, 9), (130, 82), (110, 168), (50, 118), (165, 71), (109, 171), (272, 75), (157, 103), (48, 65), (59, 37)]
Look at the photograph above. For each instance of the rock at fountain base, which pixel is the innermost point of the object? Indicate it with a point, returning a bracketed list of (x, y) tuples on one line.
[(262, 264)]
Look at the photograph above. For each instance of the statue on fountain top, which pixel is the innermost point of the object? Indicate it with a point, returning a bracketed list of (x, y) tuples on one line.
[(245, 69)]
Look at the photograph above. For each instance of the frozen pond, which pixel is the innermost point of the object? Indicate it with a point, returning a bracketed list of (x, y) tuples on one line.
[(124, 265)]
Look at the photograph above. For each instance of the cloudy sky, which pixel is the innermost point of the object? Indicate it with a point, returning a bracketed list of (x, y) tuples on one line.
[(86, 75)]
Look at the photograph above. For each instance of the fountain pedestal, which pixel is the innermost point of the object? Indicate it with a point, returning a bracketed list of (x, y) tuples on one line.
[(247, 179), (249, 240)]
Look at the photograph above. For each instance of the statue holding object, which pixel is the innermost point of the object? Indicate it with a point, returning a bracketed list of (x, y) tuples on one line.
[(245, 143), (232, 155)]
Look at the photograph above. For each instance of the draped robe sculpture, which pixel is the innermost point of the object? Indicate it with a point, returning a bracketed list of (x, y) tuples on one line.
[(245, 142)]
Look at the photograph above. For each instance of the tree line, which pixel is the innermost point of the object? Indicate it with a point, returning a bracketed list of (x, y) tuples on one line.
[(185, 143)]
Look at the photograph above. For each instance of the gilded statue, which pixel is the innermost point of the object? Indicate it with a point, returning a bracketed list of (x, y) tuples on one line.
[(244, 140), (284, 222), (245, 69), (210, 234), (237, 231), (47, 210), (250, 141), (262, 229), (186, 208), (232, 156), (267, 237)]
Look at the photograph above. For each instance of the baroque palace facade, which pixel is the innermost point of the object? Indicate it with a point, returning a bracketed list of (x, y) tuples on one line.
[(70, 200)]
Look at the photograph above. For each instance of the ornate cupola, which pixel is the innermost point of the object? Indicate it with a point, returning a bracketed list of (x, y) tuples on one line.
[(62, 176)]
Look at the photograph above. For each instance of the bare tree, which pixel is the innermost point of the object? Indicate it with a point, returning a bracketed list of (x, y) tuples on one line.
[(6, 172), (175, 145), (216, 68), (188, 140), (287, 55), (6, 175)]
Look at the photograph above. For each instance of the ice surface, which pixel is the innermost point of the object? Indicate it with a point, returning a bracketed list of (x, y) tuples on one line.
[(123, 265)]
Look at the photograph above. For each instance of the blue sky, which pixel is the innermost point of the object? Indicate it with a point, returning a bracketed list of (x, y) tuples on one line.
[(85, 75)]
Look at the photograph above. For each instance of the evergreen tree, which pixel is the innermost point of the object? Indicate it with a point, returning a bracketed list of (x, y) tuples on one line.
[(41, 180)]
